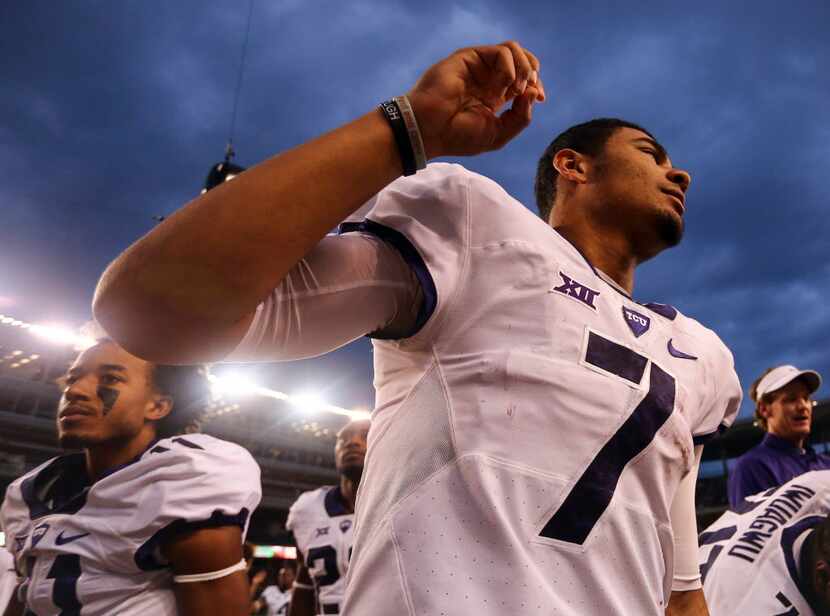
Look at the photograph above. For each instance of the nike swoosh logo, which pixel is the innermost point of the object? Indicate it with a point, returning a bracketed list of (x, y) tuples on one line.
[(677, 353), (61, 540)]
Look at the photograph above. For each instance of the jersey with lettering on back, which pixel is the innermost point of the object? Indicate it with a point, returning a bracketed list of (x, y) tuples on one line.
[(96, 549), (749, 557), (323, 530), (528, 440)]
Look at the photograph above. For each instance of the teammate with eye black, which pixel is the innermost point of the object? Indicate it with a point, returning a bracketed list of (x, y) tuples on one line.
[(141, 519), (537, 430), (322, 521)]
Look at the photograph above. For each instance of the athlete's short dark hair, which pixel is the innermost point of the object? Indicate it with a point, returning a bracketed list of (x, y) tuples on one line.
[(189, 389), (588, 138), (187, 386)]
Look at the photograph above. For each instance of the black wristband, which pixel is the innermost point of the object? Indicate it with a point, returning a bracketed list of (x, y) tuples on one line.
[(393, 115)]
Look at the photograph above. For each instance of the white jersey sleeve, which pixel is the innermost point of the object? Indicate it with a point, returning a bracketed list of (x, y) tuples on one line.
[(8, 578), (749, 558), (100, 548), (348, 286), (721, 406), (192, 481)]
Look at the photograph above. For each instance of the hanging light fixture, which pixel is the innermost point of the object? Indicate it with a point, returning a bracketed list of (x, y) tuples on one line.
[(221, 172), (226, 170)]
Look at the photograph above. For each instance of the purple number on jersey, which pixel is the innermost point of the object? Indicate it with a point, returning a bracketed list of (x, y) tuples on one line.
[(592, 493)]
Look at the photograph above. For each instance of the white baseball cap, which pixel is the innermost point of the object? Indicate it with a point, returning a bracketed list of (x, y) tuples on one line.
[(780, 376)]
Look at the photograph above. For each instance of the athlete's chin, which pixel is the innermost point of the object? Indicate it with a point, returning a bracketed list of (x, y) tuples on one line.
[(670, 228), (352, 472), (76, 439)]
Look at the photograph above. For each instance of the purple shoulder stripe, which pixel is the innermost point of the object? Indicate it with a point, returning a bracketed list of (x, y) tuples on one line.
[(664, 310), (410, 254)]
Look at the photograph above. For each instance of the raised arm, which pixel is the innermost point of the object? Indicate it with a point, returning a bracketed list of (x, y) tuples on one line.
[(187, 291)]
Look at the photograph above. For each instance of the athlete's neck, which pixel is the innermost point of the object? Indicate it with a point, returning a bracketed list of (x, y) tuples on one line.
[(348, 489), (104, 457), (608, 253)]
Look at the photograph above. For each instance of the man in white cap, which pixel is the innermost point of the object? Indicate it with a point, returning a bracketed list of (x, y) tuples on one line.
[(784, 409)]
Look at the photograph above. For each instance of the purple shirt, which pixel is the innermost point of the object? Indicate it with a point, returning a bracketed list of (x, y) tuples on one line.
[(769, 464)]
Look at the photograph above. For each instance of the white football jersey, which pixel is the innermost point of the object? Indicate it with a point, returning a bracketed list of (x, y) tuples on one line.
[(8, 578), (96, 549), (749, 558), (276, 600), (528, 440), (323, 530)]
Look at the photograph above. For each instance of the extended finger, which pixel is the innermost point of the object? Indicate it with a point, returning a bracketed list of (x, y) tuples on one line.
[(523, 64), (535, 78)]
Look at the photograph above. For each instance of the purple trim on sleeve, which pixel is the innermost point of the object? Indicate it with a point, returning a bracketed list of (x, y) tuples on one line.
[(702, 439), (146, 555), (410, 254)]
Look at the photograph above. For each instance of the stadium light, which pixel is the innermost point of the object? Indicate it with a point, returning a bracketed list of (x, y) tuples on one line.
[(238, 385), (308, 402), (58, 334), (232, 385)]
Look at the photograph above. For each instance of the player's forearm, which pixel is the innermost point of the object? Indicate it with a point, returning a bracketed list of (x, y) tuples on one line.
[(687, 603), (184, 292)]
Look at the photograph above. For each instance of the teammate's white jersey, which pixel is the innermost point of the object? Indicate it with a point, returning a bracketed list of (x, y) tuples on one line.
[(749, 558), (276, 600), (96, 549), (323, 530), (528, 440), (8, 578)]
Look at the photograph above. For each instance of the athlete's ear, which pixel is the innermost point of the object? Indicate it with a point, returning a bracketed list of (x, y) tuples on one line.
[(160, 407), (571, 165)]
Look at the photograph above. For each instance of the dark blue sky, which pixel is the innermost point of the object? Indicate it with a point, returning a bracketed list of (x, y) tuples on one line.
[(112, 112)]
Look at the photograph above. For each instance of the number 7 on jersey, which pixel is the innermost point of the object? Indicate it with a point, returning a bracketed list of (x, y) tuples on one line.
[(593, 491)]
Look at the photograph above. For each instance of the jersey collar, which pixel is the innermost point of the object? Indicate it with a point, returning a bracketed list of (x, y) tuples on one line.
[(335, 503)]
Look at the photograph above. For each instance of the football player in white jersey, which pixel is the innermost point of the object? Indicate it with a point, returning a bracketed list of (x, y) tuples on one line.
[(537, 432), (322, 521), (772, 555), (8, 578), (142, 520)]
